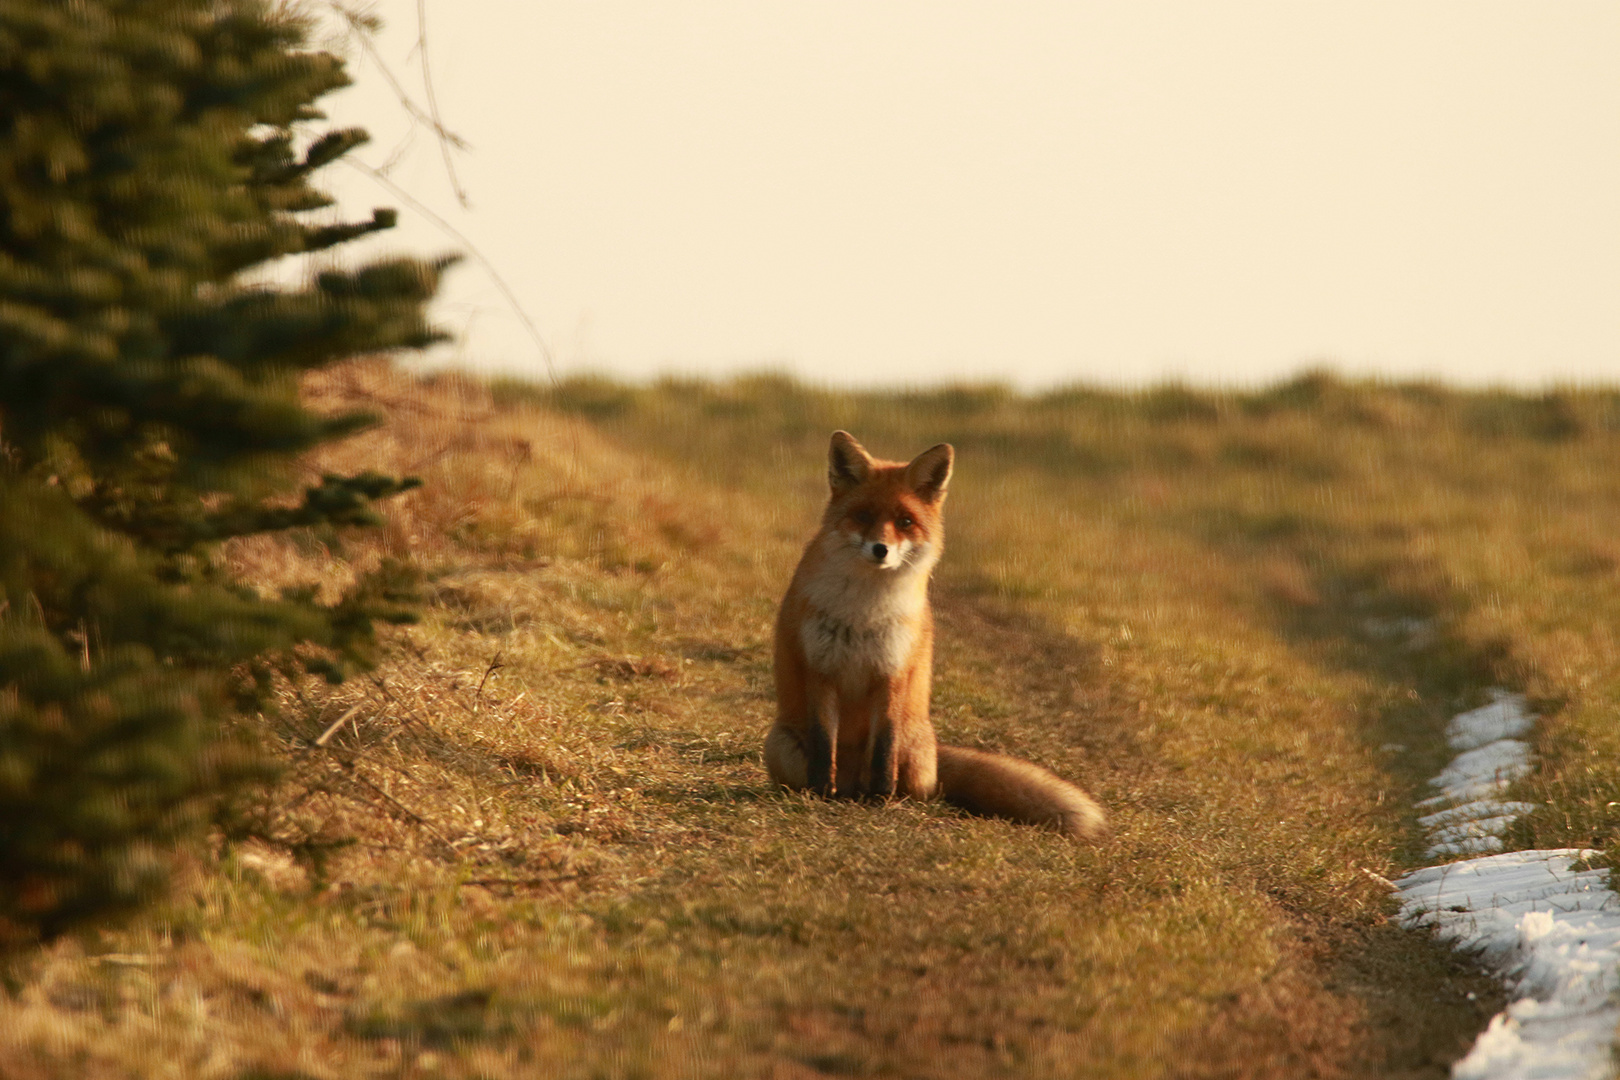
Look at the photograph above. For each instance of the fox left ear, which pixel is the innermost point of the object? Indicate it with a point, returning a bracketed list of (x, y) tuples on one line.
[(930, 472), (848, 463)]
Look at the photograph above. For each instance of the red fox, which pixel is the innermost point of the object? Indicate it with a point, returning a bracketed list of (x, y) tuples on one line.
[(855, 655)]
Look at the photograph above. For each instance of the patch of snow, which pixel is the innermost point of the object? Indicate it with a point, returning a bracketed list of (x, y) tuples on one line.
[(1503, 718), (1478, 810), (1481, 772), (1550, 929)]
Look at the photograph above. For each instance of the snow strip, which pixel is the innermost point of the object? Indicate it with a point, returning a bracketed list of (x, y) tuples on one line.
[(1469, 815), (1550, 927)]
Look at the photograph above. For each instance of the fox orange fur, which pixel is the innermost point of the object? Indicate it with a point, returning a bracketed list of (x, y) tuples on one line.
[(855, 654)]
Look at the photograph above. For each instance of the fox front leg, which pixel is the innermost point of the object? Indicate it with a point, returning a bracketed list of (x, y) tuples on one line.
[(903, 758), (821, 741), (885, 775), (818, 759), (800, 756), (882, 745)]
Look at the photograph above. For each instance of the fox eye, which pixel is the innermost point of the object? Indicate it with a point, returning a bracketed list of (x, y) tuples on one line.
[(903, 522), (863, 518)]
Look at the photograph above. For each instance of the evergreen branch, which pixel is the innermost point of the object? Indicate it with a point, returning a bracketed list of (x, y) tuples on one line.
[(171, 526), (150, 398)]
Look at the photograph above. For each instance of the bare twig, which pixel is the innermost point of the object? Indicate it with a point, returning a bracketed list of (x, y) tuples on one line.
[(494, 666), (1381, 879), (433, 101), (125, 959), (472, 249), (321, 739), (364, 35), (397, 154), (363, 29)]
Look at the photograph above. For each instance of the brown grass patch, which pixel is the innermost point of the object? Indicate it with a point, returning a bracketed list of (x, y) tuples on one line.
[(538, 840)]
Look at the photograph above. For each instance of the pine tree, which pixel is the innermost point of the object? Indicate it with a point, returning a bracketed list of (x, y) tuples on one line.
[(149, 157)]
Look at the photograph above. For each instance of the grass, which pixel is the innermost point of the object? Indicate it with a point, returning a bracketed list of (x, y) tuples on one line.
[(538, 840)]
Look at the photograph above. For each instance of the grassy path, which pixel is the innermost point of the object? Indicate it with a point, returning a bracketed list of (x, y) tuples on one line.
[(541, 842)]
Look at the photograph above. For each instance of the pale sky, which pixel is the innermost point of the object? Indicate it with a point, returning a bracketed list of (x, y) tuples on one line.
[(888, 192)]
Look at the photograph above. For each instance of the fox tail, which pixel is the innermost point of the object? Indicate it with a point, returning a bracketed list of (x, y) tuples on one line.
[(999, 786)]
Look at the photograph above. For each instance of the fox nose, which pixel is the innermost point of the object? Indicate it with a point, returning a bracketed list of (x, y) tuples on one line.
[(880, 552)]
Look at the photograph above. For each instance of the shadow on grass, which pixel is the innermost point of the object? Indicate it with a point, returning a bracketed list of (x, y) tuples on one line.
[(717, 794), (1358, 603), (453, 1020)]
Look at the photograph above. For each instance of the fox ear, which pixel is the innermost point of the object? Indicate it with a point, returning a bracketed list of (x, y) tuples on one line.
[(848, 463), (930, 472)]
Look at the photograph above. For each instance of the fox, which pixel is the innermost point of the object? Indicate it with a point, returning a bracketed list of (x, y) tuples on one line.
[(854, 656)]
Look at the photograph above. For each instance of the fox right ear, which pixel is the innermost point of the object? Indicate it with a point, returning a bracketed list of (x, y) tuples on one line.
[(848, 463), (930, 472)]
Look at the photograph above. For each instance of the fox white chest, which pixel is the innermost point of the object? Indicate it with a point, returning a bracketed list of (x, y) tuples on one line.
[(864, 626), (851, 652)]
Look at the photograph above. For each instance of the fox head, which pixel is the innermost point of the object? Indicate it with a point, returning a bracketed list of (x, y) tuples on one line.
[(890, 514)]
